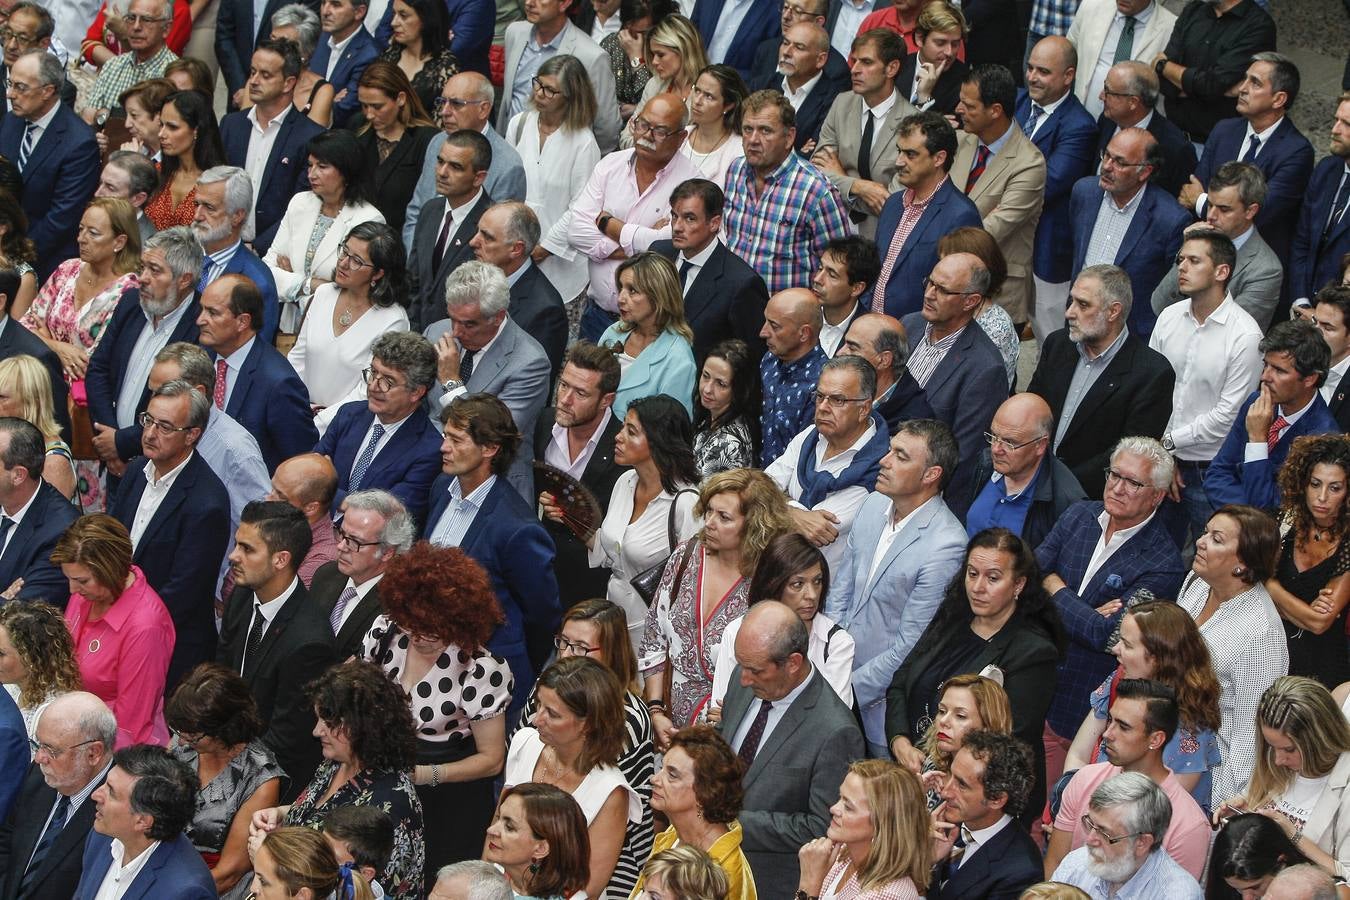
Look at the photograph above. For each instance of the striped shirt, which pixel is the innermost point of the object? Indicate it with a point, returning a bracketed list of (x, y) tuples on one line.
[(927, 356), (460, 513)]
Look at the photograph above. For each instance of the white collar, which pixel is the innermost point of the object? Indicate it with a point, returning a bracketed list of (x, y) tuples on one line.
[(1263, 135), (270, 609), (1122, 535), (882, 108), (47, 117), (699, 259), (338, 46), (17, 517), (462, 212), (1048, 109), (169, 477), (274, 121)]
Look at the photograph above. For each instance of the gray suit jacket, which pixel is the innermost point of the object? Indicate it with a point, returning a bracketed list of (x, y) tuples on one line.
[(515, 370), (1254, 284), (794, 778), (575, 42), (843, 131)]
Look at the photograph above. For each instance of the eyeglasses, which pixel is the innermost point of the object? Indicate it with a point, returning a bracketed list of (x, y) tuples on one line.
[(342, 536), (187, 738), (457, 102), (996, 441), (799, 12), (54, 752), (576, 649), (136, 19), (352, 259), (1108, 93), (834, 401), (548, 93), (1092, 826), (379, 382), (1131, 486), (24, 40), (640, 125), (945, 291), (1120, 162), (18, 87), (149, 421)]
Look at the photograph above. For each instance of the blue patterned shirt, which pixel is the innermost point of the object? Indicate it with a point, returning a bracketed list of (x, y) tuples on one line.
[(788, 406), (782, 230), (1052, 16)]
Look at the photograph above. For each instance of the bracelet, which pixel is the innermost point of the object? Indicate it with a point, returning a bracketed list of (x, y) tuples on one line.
[(435, 776), (803, 895), (654, 705)]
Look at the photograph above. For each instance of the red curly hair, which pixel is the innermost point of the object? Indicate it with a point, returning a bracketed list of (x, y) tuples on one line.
[(439, 592)]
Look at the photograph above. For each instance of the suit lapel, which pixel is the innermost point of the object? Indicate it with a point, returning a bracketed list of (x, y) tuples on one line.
[(456, 245), (734, 707), (930, 214), (483, 516), (143, 884), (902, 541), (797, 715), (1103, 388), (277, 629), (278, 149), (704, 289), (244, 380), (952, 361), (168, 509), (359, 620), (1142, 221)]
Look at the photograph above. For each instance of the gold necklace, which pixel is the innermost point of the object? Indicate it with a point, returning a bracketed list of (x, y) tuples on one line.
[(345, 318)]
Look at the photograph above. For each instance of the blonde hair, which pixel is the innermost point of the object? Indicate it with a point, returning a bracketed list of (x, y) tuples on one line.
[(991, 702), (26, 379), (122, 219), (1305, 711), (1053, 890), (688, 874), (654, 276), (681, 35), (762, 503), (305, 859), (900, 838), (941, 17)]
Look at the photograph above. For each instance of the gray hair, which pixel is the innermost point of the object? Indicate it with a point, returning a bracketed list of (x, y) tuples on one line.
[(485, 882), (1284, 75), (27, 447), (398, 532), (792, 638), (482, 88), (409, 353), (194, 364), (1140, 80), (1147, 809), (1148, 448), (142, 178), (1247, 178), (238, 186), (304, 21), (50, 70), (182, 253), (99, 724), (521, 224), (1115, 286), (1306, 881), (481, 283), (893, 339), (867, 376), (199, 408)]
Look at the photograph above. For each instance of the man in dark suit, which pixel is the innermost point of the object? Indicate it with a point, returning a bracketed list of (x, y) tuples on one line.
[(732, 33), (16, 340), (14, 753), (33, 28), (119, 368), (56, 153), (1244, 470), (576, 436), (794, 758), (507, 235), (285, 170), (343, 27), (273, 636), (1130, 395), (35, 515), (475, 508), (764, 70), (388, 441), (1331, 312), (147, 800), (964, 381), (375, 527), (447, 223), (936, 52), (236, 40), (848, 269), (982, 797), (83, 724), (181, 527), (1322, 236), (803, 53), (1129, 95), (881, 340), (927, 145), (723, 297), (255, 385), (1262, 135), (224, 198), (1066, 135), (1100, 209)]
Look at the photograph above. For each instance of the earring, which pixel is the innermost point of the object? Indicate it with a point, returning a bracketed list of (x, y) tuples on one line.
[(1239, 571)]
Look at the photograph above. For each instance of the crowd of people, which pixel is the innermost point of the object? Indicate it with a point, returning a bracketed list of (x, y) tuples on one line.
[(670, 450)]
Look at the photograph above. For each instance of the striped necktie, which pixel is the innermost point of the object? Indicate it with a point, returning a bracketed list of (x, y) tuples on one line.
[(30, 137)]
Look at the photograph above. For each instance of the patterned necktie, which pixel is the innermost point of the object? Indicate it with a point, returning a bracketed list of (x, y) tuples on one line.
[(750, 746), (1252, 147), (26, 148), (442, 239), (365, 459), (44, 844), (1030, 127), (222, 374), (981, 160), (466, 365), (1273, 436), (1337, 207), (1125, 46), (255, 636), (340, 607)]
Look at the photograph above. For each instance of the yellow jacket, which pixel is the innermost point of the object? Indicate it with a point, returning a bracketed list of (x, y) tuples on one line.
[(725, 851)]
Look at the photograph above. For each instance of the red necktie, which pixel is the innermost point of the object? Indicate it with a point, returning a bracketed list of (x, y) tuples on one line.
[(1273, 436), (222, 370), (981, 160)]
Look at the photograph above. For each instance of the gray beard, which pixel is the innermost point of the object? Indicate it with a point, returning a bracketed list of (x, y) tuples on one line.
[(158, 308)]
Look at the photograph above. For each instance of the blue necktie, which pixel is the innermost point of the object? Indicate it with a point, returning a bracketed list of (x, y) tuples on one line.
[(367, 456), (1035, 116), (44, 844), (1251, 149), (26, 148)]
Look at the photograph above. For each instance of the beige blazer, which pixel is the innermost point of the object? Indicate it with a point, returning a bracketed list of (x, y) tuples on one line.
[(1009, 196), (1088, 32), (842, 131)]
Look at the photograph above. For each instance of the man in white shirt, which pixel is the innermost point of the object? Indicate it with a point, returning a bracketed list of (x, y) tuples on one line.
[(848, 268), (1211, 343), (801, 59), (1110, 31), (1332, 315)]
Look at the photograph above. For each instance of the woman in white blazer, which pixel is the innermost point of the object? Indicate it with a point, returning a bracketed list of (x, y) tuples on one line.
[(305, 251)]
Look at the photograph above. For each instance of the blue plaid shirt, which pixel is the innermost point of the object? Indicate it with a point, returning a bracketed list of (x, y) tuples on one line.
[(1053, 16), (782, 231), (788, 405)]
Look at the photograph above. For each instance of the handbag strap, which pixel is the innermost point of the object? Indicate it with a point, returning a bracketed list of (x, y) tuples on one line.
[(670, 519)]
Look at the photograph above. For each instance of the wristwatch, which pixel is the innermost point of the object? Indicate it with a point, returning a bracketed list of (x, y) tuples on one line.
[(1168, 444), (1159, 66), (602, 221), (452, 384)]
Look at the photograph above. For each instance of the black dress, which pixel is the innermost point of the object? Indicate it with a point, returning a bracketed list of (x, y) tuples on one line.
[(395, 177), (1324, 657)]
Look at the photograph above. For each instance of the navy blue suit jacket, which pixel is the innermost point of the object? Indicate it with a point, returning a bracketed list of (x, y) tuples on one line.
[(1000, 869), (245, 262), (180, 553), (358, 54), (725, 300), (472, 22), (1178, 152), (34, 538), (764, 71), (1313, 262), (507, 540), (16, 340), (1068, 140), (109, 361), (14, 753), (1287, 162), (1147, 251), (1231, 480), (271, 401), (60, 179), (762, 20), (948, 210), (405, 466), (286, 173), (235, 39), (175, 871)]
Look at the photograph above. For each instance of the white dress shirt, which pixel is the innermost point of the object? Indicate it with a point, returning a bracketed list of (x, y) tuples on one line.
[(798, 97), (16, 517), (851, 15), (233, 364), (362, 589), (121, 874), (261, 140), (1258, 450), (889, 533), (777, 710), (152, 339), (1106, 548), (1334, 376), (1047, 110), (831, 655), (696, 264), (269, 612), (335, 54), (558, 453), (977, 839), (153, 495)]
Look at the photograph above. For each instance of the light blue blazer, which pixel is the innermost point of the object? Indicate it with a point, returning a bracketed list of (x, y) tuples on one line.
[(886, 613), (665, 367)]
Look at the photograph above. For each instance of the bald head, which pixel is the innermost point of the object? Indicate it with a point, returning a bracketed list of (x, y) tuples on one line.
[(1301, 882), (1132, 156), (82, 726), (792, 321), (1021, 429), (881, 340), (667, 113), (308, 482), (1050, 69), (771, 650)]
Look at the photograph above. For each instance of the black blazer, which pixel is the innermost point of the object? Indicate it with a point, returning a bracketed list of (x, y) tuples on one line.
[(1000, 870), (426, 281), (726, 300), (325, 588), (577, 581), (1339, 407), (537, 307), (907, 401), (59, 874), (833, 82), (1132, 396), (946, 92), (16, 340), (1178, 154), (29, 551), (394, 179), (296, 649)]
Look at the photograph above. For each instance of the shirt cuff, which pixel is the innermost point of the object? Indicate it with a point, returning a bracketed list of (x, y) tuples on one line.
[(1200, 203), (1255, 452)]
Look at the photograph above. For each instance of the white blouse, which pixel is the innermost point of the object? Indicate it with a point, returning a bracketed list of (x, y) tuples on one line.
[(555, 172), (330, 364), (832, 654), (713, 166)]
